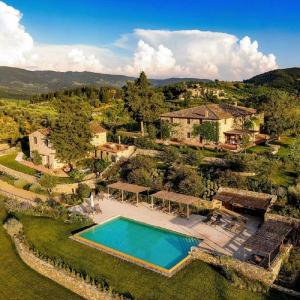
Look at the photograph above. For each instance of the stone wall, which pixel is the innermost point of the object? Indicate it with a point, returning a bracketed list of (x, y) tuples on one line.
[(11, 191), (70, 188), (148, 152), (18, 175), (60, 276), (246, 269), (285, 219)]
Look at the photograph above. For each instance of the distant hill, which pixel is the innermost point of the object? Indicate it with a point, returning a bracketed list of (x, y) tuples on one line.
[(286, 79), (22, 83)]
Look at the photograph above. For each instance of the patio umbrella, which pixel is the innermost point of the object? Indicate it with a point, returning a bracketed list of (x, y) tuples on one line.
[(92, 200)]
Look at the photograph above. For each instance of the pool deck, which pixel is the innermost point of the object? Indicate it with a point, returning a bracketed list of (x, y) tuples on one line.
[(215, 238)]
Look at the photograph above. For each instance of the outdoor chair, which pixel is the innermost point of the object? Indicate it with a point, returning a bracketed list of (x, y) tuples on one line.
[(208, 218)]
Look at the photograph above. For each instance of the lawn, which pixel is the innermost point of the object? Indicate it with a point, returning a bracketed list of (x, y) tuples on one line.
[(17, 281), (197, 281), (10, 162)]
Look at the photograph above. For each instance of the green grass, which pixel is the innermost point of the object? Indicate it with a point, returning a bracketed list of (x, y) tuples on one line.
[(17, 281), (195, 282), (285, 144), (10, 162), (259, 149)]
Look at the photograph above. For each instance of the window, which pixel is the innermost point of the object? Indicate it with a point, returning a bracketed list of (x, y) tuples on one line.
[(35, 140), (189, 121), (47, 143), (171, 120), (188, 135), (225, 121)]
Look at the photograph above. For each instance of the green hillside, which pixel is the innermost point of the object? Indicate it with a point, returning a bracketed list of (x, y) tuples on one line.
[(286, 79)]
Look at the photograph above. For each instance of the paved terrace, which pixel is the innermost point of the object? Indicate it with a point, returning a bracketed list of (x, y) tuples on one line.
[(215, 238)]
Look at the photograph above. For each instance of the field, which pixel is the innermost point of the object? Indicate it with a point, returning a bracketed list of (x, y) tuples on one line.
[(197, 281), (17, 281)]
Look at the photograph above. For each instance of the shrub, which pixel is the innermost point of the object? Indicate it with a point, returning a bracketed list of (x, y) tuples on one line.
[(294, 195), (35, 187), (48, 182), (36, 158), (100, 165), (76, 174), (20, 183), (83, 191)]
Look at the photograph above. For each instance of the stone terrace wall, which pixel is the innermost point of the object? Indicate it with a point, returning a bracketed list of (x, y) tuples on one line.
[(285, 219), (19, 175), (248, 270), (76, 285)]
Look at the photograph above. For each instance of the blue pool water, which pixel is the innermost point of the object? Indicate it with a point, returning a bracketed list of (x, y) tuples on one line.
[(154, 245)]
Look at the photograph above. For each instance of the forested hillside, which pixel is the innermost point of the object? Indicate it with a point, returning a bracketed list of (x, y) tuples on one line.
[(20, 83), (286, 79)]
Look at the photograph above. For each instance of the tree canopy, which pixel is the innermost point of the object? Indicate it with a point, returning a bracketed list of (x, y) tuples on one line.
[(71, 134), (143, 101), (9, 129)]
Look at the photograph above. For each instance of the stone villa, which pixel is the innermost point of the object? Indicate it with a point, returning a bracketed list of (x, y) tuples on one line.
[(39, 142), (230, 120)]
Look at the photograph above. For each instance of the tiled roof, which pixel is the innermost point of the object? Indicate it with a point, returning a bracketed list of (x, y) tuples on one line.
[(211, 112), (96, 128)]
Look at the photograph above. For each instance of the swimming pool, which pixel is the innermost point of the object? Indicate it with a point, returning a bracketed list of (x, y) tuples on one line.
[(152, 247)]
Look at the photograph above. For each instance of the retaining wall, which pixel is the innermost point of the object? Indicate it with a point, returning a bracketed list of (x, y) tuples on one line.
[(11, 191), (76, 285), (248, 270), (19, 175)]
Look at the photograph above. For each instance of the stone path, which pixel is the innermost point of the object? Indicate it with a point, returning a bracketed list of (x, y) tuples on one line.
[(11, 191)]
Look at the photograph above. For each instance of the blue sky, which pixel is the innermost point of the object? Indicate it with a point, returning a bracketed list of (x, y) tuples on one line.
[(274, 24)]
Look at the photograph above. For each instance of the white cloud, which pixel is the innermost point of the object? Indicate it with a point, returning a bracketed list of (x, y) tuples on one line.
[(15, 42), (161, 53), (208, 54)]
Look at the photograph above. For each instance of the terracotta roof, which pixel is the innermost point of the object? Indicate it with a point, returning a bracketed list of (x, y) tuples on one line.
[(268, 237), (175, 197), (112, 147), (243, 198), (96, 128), (211, 112)]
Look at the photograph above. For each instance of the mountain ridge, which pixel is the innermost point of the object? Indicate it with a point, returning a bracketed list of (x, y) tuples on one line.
[(17, 82), (287, 79)]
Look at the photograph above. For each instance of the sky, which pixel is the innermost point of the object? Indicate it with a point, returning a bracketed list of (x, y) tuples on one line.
[(228, 39)]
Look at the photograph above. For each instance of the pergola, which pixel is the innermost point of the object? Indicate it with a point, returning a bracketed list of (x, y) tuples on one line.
[(175, 197), (268, 238), (241, 199), (128, 187)]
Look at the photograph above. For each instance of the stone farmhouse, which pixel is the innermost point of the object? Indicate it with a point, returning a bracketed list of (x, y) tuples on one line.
[(39, 142), (230, 120), (198, 91)]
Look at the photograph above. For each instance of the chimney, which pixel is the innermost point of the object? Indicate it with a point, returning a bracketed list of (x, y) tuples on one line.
[(235, 103), (119, 138), (206, 113)]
